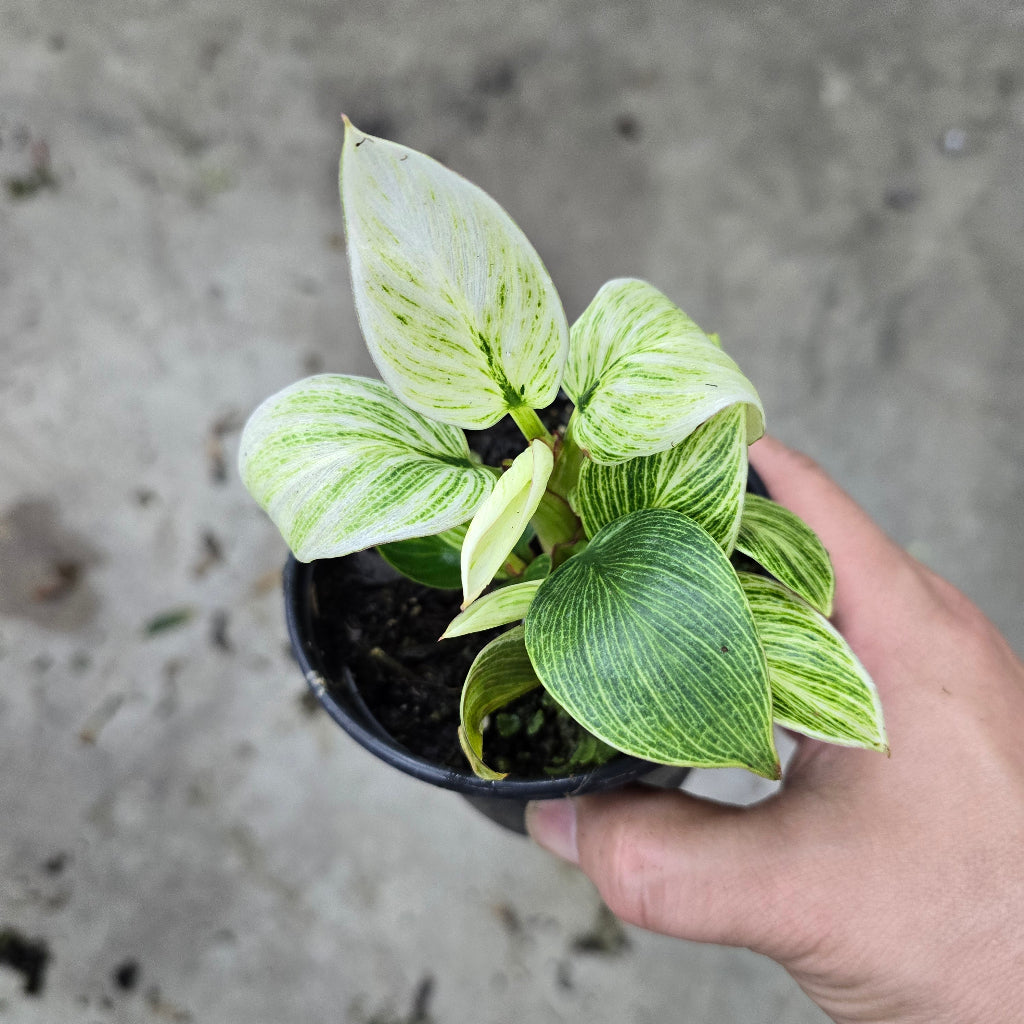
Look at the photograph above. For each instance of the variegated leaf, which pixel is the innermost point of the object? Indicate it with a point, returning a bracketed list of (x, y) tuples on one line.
[(433, 561), (704, 477), (643, 375), (501, 673), (498, 608), (789, 549), (501, 519), (457, 310), (340, 464), (646, 640), (819, 688)]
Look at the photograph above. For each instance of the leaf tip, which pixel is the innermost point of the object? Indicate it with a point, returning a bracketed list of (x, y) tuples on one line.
[(475, 761), (770, 768)]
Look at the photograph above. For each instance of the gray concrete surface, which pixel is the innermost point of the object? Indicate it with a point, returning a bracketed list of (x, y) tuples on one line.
[(834, 187)]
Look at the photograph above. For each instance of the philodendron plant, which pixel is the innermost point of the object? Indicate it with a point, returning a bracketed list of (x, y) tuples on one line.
[(618, 549)]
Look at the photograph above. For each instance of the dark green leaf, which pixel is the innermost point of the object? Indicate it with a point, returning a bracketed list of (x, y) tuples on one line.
[(432, 561)]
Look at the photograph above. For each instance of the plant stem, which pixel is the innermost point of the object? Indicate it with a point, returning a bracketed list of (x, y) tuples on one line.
[(514, 565), (529, 423), (555, 522), (568, 460)]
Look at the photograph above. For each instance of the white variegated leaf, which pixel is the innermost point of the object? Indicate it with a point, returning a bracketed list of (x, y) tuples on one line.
[(819, 688), (457, 310), (340, 464), (704, 477), (789, 549), (498, 608), (501, 519), (643, 375)]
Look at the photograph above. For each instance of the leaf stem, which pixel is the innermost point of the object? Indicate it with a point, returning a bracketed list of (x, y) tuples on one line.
[(568, 461), (514, 565), (555, 522), (529, 423)]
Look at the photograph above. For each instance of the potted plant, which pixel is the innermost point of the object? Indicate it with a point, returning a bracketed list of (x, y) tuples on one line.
[(653, 609)]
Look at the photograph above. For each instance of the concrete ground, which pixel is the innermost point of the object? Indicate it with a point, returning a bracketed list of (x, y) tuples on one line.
[(834, 187)]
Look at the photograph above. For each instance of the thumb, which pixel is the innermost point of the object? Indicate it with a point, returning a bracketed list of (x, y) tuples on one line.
[(676, 864)]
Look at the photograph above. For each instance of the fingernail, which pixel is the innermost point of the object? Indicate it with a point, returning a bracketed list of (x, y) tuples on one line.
[(552, 824)]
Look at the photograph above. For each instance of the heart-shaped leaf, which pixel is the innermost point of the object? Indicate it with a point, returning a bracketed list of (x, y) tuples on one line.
[(456, 307), (645, 638), (501, 673), (340, 464), (502, 518), (643, 375), (703, 477), (498, 608), (819, 688), (433, 561), (789, 549)]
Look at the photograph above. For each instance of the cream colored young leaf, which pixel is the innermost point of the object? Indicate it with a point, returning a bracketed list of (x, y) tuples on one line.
[(457, 310), (498, 608), (501, 519)]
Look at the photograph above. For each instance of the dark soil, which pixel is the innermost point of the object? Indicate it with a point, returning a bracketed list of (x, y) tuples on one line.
[(387, 634), (385, 628)]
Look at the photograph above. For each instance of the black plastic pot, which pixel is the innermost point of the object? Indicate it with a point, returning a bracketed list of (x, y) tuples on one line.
[(502, 801)]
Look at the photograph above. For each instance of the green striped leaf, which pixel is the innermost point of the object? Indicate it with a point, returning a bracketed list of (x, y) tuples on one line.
[(498, 608), (643, 375), (703, 477), (433, 561), (646, 639), (456, 307), (340, 464), (501, 673), (819, 688), (502, 518), (789, 549)]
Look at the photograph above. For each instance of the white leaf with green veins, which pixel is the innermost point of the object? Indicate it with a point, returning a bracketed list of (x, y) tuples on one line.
[(501, 673), (498, 608), (704, 477), (643, 375), (458, 312), (819, 688), (501, 519), (340, 464), (789, 549)]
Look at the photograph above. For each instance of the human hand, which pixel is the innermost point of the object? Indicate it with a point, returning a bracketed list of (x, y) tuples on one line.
[(891, 889)]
